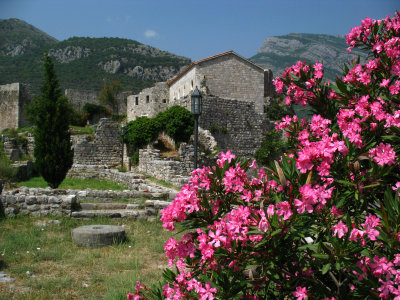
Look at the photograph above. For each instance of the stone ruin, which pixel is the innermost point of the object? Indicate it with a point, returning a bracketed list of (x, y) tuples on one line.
[(103, 152), (14, 98)]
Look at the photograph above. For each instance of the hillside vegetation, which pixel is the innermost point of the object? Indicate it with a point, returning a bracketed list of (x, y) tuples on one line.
[(81, 62)]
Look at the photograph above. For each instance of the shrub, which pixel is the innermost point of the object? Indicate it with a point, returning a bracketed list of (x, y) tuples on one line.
[(177, 122), (78, 119), (7, 171), (277, 109), (141, 132), (321, 224), (271, 148), (134, 159)]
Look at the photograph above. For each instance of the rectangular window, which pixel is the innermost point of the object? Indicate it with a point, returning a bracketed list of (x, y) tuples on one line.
[(136, 100), (147, 99)]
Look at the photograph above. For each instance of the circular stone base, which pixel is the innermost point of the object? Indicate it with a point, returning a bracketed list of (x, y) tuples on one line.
[(98, 235)]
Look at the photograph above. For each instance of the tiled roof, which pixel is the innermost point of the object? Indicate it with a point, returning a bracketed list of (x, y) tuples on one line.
[(206, 59)]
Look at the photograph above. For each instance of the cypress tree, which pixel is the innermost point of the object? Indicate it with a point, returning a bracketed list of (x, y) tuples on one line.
[(50, 113)]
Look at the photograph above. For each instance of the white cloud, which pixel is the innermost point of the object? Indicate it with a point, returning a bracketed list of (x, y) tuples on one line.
[(149, 33)]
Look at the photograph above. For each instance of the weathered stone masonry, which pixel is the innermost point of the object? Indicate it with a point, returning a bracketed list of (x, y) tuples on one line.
[(104, 150), (235, 124), (13, 100), (80, 97)]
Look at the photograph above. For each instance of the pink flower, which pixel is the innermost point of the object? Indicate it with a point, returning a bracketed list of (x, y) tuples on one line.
[(223, 157), (397, 187), (336, 212), (300, 293), (384, 83), (340, 229), (283, 208), (383, 154), (207, 292), (129, 296), (278, 85), (270, 210)]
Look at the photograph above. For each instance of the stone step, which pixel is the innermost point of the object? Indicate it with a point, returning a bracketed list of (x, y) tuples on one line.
[(111, 213), (120, 210)]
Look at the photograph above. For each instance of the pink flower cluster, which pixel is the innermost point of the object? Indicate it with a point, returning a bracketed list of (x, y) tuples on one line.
[(297, 94)]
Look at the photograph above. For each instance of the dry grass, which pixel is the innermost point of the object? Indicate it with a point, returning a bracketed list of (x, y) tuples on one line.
[(62, 270)]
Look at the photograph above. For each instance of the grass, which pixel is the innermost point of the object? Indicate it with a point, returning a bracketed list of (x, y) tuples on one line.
[(77, 130), (76, 184), (48, 265)]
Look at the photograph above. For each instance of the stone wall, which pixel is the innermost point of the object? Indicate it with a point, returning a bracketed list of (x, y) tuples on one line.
[(171, 169), (148, 102), (80, 97), (104, 150), (13, 100), (37, 202), (58, 202), (235, 124)]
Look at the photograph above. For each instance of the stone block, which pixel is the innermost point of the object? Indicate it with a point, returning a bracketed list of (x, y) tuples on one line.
[(30, 200), (53, 199), (34, 207)]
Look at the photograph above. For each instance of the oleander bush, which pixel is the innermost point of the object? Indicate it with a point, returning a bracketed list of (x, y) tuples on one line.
[(323, 222)]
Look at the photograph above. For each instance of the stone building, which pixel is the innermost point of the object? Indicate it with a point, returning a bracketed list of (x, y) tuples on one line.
[(149, 102), (226, 75), (14, 98), (234, 90)]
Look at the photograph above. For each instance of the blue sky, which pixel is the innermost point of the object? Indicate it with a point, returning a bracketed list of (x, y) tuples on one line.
[(193, 28)]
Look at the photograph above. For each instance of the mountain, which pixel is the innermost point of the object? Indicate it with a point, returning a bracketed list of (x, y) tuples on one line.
[(81, 62), (279, 52)]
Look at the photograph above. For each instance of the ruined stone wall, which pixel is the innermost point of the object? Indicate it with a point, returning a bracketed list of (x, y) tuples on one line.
[(148, 102), (14, 98), (170, 169), (37, 202), (235, 125), (104, 150), (80, 97), (59, 202)]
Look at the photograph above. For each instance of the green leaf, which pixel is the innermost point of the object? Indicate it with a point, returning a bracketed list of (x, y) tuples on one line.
[(278, 231), (312, 247), (346, 182), (320, 255), (326, 268)]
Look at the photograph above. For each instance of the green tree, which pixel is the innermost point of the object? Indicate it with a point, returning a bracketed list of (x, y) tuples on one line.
[(50, 113), (108, 95)]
